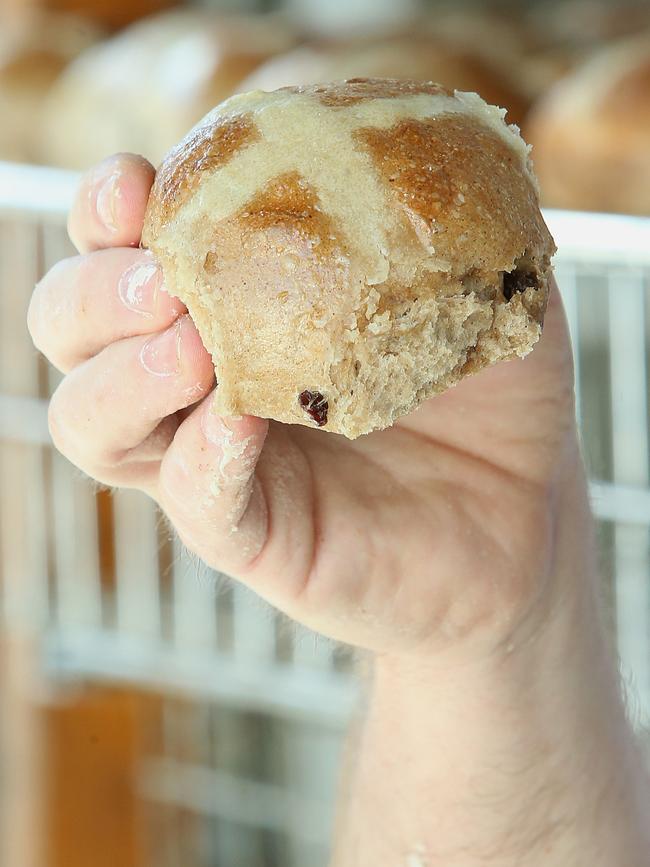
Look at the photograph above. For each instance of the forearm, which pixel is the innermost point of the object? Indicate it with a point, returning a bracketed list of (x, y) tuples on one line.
[(525, 758)]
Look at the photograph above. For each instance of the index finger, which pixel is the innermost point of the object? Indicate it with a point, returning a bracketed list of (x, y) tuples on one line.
[(108, 210)]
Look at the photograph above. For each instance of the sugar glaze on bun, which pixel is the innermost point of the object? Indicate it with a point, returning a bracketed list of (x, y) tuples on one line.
[(348, 250)]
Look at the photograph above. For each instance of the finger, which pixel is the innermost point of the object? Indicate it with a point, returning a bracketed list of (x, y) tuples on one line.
[(555, 340), (87, 302), (108, 210), (114, 415), (207, 487)]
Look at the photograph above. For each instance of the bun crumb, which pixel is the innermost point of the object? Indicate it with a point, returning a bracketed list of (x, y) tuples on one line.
[(349, 250)]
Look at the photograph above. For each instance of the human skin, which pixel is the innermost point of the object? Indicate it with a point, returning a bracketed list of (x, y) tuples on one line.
[(454, 548)]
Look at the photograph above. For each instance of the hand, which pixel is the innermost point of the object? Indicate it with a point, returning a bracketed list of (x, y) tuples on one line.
[(438, 533)]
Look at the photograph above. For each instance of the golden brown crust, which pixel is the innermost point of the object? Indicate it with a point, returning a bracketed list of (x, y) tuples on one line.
[(290, 203), (453, 170), (208, 148)]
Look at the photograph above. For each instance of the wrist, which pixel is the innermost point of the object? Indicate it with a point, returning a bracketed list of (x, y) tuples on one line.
[(511, 748), (525, 757), (549, 594), (558, 678), (552, 662)]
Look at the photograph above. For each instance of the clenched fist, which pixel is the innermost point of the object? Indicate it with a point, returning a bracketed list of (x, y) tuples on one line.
[(438, 535)]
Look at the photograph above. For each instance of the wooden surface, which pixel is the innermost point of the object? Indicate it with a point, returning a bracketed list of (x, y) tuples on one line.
[(20, 757), (23, 558), (92, 742)]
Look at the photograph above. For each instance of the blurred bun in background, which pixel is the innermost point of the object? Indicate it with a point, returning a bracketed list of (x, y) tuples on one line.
[(591, 133), (33, 52), (407, 56), (143, 89), (518, 47), (111, 14), (341, 19), (584, 24)]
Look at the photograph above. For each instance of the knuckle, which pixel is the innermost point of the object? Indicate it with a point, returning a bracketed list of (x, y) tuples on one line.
[(71, 224), (64, 422), (55, 421), (175, 481), (192, 507), (52, 298), (34, 319), (210, 512), (67, 438), (82, 278)]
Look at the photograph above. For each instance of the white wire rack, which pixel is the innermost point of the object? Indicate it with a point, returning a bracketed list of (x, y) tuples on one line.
[(113, 597)]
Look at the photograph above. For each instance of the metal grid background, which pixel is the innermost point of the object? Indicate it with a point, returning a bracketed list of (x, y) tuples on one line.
[(107, 593)]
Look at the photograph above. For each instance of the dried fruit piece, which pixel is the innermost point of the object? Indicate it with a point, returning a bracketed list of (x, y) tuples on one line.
[(315, 405), (518, 281)]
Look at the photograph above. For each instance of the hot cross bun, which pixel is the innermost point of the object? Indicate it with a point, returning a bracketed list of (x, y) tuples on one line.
[(348, 250), (592, 132)]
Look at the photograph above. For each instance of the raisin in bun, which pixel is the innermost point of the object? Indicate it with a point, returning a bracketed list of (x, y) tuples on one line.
[(417, 57), (592, 133), (348, 250)]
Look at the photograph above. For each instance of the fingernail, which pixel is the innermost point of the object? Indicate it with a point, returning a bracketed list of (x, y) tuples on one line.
[(161, 355), (106, 201), (138, 287)]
